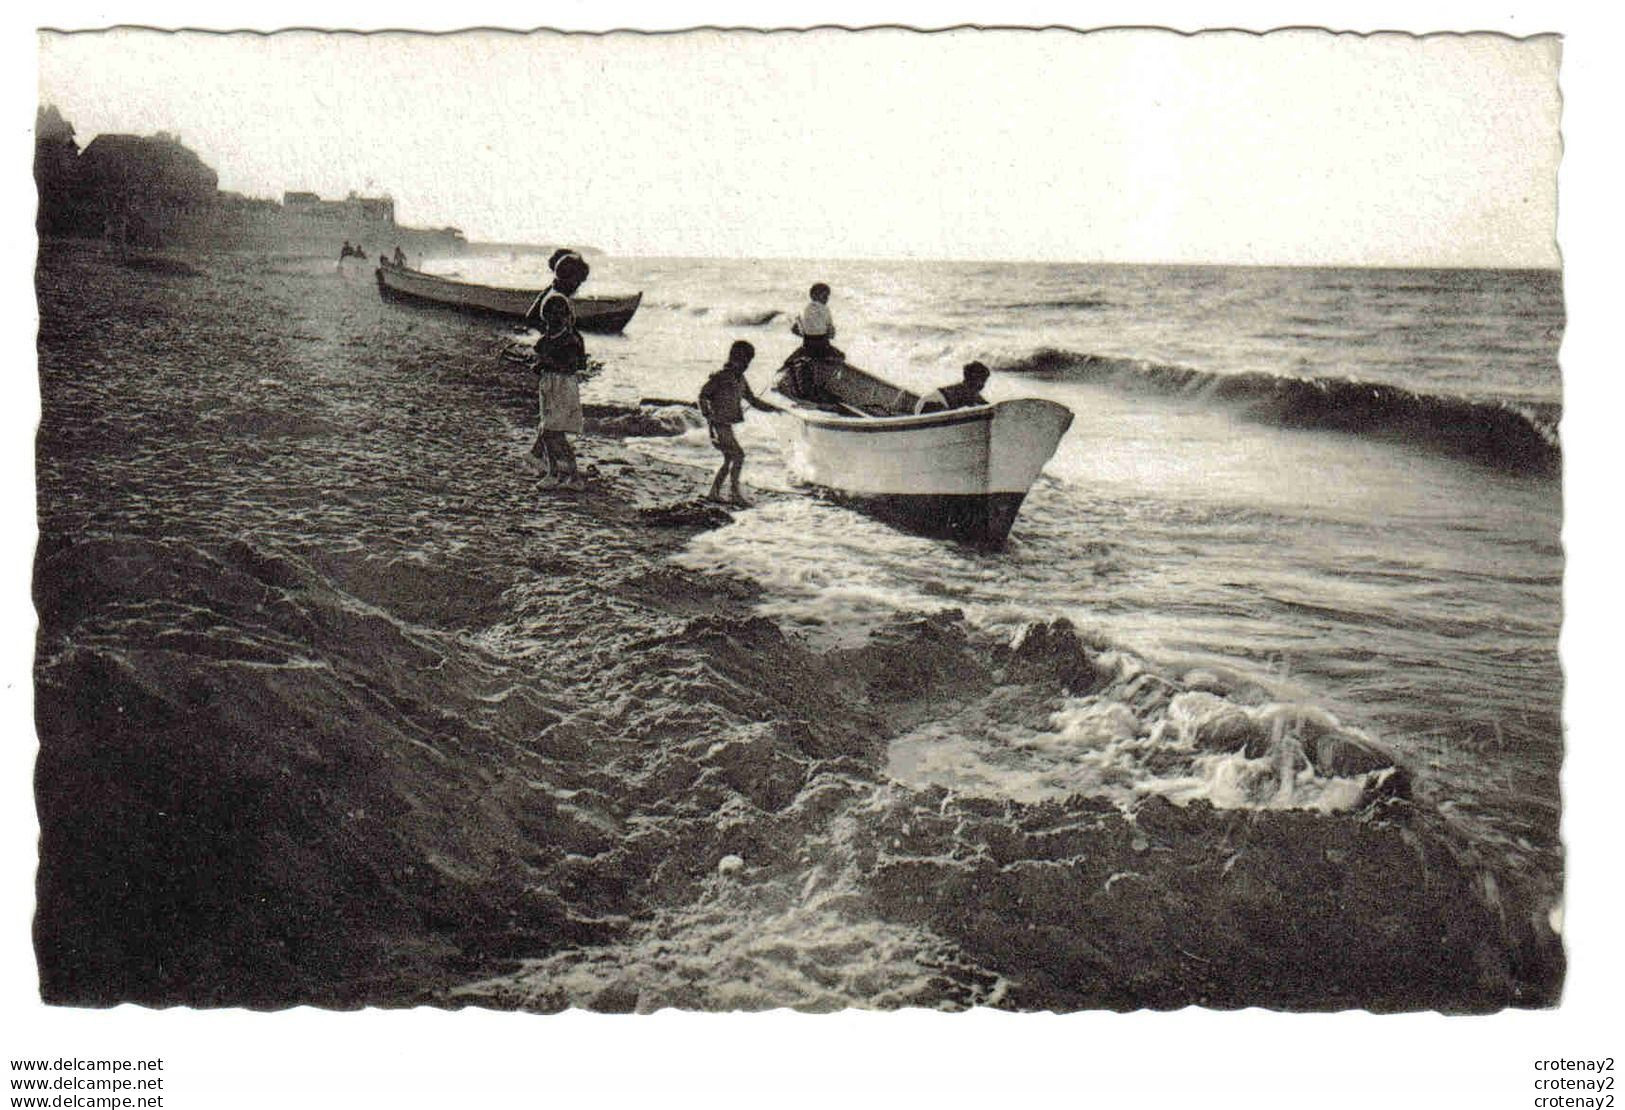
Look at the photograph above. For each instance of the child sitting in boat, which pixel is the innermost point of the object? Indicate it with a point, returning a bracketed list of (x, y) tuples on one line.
[(720, 399), (962, 394), (816, 327)]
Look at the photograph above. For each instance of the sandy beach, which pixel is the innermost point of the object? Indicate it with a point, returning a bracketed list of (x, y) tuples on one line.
[(337, 708)]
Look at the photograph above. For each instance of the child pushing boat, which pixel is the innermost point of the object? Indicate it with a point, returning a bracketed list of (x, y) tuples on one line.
[(720, 399)]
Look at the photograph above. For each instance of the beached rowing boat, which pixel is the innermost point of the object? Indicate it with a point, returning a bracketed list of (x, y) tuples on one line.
[(604, 315), (962, 474)]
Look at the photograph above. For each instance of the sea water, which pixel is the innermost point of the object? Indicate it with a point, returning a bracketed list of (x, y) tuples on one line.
[(1343, 482), (341, 679)]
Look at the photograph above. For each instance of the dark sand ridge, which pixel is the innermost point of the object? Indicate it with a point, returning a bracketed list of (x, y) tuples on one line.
[(335, 708)]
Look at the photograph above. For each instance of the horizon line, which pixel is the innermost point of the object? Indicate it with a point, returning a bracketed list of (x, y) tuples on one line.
[(1166, 264)]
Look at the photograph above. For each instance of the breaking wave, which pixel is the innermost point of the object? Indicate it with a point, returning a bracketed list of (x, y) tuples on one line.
[(1061, 304), (1513, 436), (337, 707), (754, 319)]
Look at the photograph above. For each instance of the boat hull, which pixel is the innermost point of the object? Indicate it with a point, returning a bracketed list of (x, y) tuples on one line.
[(600, 315), (979, 520), (960, 475)]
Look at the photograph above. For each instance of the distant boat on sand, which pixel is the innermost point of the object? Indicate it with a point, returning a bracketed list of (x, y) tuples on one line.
[(603, 315)]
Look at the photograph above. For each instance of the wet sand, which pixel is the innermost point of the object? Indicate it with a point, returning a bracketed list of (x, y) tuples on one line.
[(337, 708)]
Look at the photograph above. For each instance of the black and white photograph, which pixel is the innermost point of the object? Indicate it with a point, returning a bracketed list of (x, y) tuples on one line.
[(554, 529)]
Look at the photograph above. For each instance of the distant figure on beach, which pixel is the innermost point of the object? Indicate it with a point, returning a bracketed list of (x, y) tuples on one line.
[(720, 399), (347, 252), (561, 356), (400, 256), (962, 394)]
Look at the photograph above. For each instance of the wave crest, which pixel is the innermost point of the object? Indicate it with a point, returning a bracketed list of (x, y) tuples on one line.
[(1513, 436)]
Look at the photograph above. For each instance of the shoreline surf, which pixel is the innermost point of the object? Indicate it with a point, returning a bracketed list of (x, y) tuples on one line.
[(337, 709)]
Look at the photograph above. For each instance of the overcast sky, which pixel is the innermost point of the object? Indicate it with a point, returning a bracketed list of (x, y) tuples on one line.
[(1296, 147)]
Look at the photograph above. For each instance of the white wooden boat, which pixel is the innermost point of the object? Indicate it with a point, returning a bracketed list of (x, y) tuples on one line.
[(961, 474), (604, 315)]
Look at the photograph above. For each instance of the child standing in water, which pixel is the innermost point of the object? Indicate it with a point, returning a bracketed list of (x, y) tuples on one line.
[(720, 399), (560, 358)]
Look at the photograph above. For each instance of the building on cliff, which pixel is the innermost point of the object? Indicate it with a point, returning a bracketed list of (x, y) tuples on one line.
[(56, 159), (153, 191), (148, 190)]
